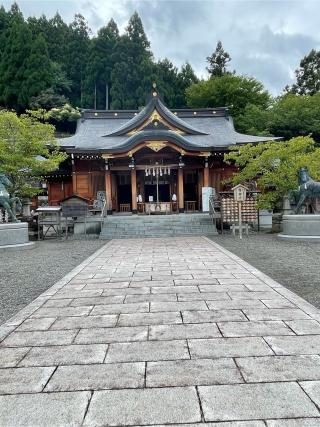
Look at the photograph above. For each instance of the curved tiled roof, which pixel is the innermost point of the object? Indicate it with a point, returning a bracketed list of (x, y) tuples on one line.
[(197, 130)]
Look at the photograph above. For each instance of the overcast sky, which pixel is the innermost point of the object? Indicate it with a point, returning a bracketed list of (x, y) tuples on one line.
[(265, 38)]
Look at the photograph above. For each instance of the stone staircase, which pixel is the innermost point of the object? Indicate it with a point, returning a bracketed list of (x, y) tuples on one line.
[(140, 226)]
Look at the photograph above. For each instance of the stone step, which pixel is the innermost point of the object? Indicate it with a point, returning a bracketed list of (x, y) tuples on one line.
[(136, 226)]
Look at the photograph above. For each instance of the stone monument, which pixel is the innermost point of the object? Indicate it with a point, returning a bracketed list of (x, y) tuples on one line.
[(306, 226), (13, 233)]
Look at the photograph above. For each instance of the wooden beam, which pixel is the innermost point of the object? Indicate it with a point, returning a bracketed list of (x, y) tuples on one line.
[(180, 190), (134, 190)]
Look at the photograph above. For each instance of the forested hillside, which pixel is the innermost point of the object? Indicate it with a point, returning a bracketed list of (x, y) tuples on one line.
[(46, 62)]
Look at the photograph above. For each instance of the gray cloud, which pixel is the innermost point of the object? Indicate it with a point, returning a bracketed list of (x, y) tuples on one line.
[(266, 38)]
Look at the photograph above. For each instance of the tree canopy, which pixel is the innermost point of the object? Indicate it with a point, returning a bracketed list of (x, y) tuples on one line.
[(288, 116), (275, 165), (307, 75), (27, 151), (235, 92)]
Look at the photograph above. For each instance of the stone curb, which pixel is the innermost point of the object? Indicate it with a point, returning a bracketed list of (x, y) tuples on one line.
[(12, 323), (282, 290)]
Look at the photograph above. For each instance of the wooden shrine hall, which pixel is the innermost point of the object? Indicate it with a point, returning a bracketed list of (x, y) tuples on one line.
[(149, 160)]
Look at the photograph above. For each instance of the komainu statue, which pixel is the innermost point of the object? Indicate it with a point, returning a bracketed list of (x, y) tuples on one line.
[(6, 201), (309, 190)]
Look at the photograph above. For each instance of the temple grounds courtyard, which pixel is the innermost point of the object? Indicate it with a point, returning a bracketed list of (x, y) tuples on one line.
[(26, 275), (163, 331)]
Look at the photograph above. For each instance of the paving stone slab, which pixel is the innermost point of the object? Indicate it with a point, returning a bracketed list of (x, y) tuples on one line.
[(39, 338), (295, 345), (152, 284), (178, 306), (226, 424), (312, 388), (23, 380), (304, 327), (78, 302), (69, 293), (208, 296), (65, 355), (85, 322), (252, 329), (99, 310), (112, 335), (192, 372), (253, 295), (213, 316), (279, 368), (271, 400), (183, 331), (62, 311), (275, 314), (222, 288), (156, 318), (127, 291), (298, 422), (147, 351), (239, 304), (278, 303), (10, 357), (39, 410), (228, 347), (151, 298), (57, 302), (196, 282), (97, 377), (174, 289), (42, 324), (143, 407)]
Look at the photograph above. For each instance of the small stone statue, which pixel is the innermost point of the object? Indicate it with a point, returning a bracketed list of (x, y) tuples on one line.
[(308, 188), (5, 200)]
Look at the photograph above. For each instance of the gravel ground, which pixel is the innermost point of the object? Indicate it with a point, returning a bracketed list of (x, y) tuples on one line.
[(26, 274), (296, 265)]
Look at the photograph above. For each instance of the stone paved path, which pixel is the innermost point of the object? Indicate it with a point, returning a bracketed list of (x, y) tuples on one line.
[(162, 331)]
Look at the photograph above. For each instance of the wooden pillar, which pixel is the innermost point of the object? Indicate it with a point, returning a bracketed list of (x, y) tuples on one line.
[(206, 173), (134, 190), (74, 176), (180, 190), (107, 178)]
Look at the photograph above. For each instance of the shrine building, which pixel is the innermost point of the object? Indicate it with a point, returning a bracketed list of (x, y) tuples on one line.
[(155, 155)]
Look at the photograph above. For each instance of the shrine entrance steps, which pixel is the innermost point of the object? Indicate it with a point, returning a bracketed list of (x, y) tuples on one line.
[(135, 226)]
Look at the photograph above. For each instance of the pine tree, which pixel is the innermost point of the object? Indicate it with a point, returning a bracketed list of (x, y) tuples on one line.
[(308, 75), (218, 61), (77, 55), (101, 60), (57, 38), (38, 72), (12, 65), (131, 76), (4, 22)]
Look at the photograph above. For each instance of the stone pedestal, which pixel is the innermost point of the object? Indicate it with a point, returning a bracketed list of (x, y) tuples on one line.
[(301, 227), (14, 235)]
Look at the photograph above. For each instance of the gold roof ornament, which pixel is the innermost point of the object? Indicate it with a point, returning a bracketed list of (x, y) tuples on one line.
[(156, 145)]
